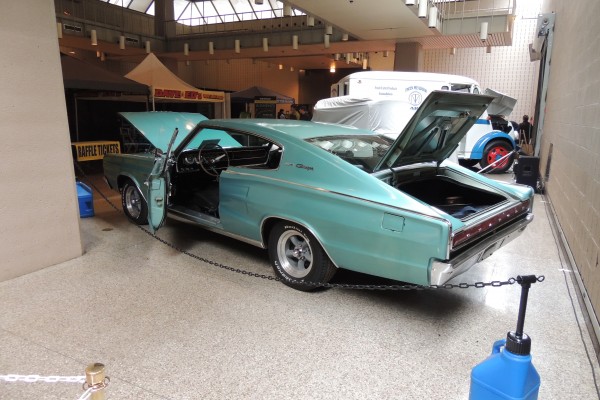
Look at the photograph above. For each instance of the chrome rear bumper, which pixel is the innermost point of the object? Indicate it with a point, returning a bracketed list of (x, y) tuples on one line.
[(442, 271)]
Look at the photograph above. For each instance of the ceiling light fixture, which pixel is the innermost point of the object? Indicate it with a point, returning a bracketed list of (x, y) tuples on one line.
[(265, 44), (329, 30), (280, 66), (94, 37), (287, 10), (148, 50), (258, 2), (409, 2), (422, 9), (433, 12), (345, 37), (310, 21), (488, 49), (237, 45), (483, 31), (332, 68), (386, 53), (348, 57), (453, 51), (295, 42), (186, 49), (59, 30), (211, 48), (122, 42), (326, 40)]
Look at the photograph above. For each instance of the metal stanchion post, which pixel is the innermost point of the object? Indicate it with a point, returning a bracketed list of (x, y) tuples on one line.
[(95, 378)]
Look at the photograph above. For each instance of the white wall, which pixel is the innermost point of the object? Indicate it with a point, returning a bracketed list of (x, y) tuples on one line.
[(38, 206), (506, 69), (572, 127)]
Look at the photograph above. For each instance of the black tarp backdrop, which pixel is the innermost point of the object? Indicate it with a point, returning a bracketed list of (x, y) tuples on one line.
[(97, 119)]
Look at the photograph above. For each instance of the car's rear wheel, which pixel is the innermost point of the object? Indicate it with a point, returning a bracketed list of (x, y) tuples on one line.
[(297, 256), (494, 151), (134, 205)]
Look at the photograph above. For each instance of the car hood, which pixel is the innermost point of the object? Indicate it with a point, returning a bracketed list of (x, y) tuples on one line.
[(435, 129), (158, 126)]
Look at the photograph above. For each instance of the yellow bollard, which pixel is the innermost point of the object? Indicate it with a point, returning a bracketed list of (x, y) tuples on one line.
[(95, 377)]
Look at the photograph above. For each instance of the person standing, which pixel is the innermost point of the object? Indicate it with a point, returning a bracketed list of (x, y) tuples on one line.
[(294, 114), (525, 129), (281, 114)]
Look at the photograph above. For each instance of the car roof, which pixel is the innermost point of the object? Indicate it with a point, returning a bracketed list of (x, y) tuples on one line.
[(280, 129)]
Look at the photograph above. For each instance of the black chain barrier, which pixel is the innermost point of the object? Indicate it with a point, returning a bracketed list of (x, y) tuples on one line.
[(478, 285)]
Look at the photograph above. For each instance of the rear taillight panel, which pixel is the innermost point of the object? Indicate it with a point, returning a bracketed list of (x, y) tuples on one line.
[(470, 233)]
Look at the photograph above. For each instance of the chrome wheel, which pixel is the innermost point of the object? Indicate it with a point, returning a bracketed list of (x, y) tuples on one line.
[(133, 202), (297, 257), (134, 205), (295, 254)]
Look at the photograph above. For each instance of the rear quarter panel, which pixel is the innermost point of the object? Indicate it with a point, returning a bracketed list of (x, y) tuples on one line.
[(363, 224)]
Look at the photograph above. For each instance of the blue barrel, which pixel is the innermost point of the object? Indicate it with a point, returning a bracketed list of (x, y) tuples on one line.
[(85, 199), (505, 375)]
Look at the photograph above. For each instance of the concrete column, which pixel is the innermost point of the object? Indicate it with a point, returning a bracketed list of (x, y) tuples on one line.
[(408, 57), (38, 206), (164, 15)]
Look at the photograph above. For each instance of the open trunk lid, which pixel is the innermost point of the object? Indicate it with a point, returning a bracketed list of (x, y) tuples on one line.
[(435, 129)]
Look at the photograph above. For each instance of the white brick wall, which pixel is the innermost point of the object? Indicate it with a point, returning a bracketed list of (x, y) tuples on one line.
[(506, 69)]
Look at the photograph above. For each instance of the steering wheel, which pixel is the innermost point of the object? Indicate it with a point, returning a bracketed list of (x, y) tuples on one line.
[(210, 156)]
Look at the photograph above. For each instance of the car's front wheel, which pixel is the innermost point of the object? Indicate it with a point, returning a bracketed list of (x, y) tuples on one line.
[(297, 256), (134, 205), (493, 152)]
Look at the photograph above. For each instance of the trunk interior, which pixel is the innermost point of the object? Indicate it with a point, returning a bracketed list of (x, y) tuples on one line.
[(451, 197)]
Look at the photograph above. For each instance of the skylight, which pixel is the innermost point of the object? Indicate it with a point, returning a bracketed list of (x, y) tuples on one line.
[(205, 12)]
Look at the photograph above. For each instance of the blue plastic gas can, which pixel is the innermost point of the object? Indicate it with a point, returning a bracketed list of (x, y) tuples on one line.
[(508, 372), (504, 375)]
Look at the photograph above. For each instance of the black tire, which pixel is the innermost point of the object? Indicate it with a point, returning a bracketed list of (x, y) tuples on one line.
[(296, 255), (134, 205), (493, 151), (468, 163)]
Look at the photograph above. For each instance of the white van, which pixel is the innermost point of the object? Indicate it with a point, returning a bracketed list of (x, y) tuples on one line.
[(385, 102)]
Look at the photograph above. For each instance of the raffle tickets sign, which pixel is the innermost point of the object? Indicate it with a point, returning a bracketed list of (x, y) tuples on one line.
[(88, 151)]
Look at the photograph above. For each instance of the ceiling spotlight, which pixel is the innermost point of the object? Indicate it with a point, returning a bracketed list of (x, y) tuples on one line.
[(211, 48), (122, 42), (94, 37), (237, 45), (148, 50), (483, 32), (186, 49), (332, 68), (433, 12), (265, 44), (295, 42), (422, 9), (310, 21)]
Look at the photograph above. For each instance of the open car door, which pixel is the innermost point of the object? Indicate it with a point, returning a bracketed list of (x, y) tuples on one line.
[(158, 187)]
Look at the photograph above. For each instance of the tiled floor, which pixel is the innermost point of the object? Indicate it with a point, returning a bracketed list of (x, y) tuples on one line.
[(168, 326)]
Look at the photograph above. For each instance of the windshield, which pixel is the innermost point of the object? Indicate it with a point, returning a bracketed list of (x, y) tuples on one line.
[(362, 151)]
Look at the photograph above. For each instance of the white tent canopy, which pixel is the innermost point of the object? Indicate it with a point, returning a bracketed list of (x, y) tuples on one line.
[(166, 86)]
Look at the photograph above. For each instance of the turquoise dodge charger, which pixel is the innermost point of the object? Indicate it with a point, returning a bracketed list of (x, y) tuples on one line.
[(320, 197)]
